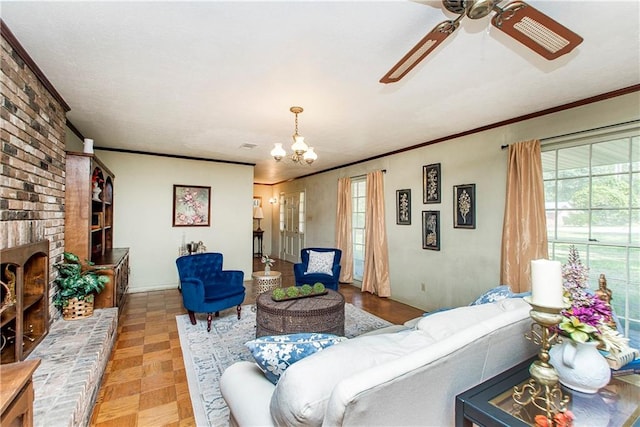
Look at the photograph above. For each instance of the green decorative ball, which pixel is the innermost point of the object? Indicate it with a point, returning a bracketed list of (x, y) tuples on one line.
[(318, 288), (279, 294), (306, 290), (292, 291)]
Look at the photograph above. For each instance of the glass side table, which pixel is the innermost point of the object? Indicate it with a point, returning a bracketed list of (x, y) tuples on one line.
[(491, 403), (263, 282)]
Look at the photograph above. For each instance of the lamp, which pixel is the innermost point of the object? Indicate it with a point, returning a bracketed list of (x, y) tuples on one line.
[(258, 214), (302, 153)]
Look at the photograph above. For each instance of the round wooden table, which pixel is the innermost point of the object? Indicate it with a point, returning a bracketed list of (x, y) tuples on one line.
[(321, 313), (263, 282)]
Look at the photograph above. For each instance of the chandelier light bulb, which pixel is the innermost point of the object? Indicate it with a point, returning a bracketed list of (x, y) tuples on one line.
[(310, 156), (298, 146), (278, 152)]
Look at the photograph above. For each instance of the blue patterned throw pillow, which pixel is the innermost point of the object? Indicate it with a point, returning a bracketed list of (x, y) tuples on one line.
[(320, 262), (274, 354), (492, 295)]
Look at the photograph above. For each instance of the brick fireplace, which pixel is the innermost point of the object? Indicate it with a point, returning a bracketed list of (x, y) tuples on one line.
[(74, 354)]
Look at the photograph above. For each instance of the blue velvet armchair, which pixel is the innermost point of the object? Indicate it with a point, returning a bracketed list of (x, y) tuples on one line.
[(206, 288), (317, 266)]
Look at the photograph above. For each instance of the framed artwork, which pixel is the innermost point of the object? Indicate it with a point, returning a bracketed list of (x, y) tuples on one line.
[(191, 206), (431, 183), (403, 207), (257, 201), (464, 206), (431, 230)]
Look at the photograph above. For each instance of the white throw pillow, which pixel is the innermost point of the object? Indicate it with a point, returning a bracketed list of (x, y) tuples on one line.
[(320, 262), (300, 397)]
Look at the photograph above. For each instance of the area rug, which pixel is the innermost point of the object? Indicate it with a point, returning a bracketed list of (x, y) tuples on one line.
[(208, 354)]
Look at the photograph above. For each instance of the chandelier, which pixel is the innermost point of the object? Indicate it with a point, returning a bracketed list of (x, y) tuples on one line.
[(302, 153)]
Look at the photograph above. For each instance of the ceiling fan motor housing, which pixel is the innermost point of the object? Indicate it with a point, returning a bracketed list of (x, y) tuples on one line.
[(474, 9)]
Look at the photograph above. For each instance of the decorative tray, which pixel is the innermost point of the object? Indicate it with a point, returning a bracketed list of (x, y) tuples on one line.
[(287, 298)]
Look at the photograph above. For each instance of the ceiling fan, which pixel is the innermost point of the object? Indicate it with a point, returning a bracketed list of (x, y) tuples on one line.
[(517, 19)]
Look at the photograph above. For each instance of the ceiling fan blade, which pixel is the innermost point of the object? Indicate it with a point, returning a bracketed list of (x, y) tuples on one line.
[(535, 30), (425, 46)]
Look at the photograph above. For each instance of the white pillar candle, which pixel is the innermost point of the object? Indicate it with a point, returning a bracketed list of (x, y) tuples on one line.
[(546, 283), (88, 145)]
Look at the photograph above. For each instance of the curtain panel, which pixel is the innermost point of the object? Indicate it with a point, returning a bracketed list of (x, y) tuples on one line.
[(344, 240), (376, 264), (524, 231)]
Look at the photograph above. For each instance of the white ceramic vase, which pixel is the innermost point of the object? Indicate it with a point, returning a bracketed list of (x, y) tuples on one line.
[(96, 192), (580, 366)]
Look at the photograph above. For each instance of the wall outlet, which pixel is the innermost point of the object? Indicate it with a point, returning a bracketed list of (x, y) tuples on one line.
[(423, 287)]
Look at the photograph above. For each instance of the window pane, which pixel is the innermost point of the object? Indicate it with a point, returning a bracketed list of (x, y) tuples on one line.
[(548, 164), (358, 237), (573, 225), (635, 190), (635, 227), (573, 161), (561, 252), (551, 224), (610, 157), (550, 194), (358, 220), (635, 153), (610, 261), (573, 193), (361, 203), (610, 191), (634, 266), (610, 226)]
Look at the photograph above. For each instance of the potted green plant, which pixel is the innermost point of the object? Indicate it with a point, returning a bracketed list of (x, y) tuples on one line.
[(77, 286)]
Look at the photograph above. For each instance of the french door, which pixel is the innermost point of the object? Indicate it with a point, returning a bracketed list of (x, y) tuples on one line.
[(292, 222)]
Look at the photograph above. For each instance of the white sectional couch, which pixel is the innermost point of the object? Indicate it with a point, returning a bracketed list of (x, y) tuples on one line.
[(397, 376)]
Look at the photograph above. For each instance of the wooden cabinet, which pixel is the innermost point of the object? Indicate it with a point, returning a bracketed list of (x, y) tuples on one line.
[(24, 319), (89, 224), (117, 263), (16, 393)]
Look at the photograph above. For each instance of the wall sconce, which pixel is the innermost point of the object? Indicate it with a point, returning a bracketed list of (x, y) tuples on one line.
[(273, 201)]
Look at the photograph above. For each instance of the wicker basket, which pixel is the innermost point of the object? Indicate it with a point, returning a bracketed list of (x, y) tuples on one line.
[(78, 309)]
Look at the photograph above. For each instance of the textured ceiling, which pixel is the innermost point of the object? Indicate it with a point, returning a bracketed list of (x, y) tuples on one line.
[(204, 78)]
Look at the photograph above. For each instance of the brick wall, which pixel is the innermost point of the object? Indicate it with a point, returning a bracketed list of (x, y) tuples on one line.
[(32, 163)]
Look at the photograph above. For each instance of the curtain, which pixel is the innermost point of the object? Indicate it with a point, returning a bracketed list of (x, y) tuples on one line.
[(343, 230), (524, 231), (376, 255)]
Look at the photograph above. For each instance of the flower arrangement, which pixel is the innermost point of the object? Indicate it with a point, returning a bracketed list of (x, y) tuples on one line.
[(267, 261), (588, 317)]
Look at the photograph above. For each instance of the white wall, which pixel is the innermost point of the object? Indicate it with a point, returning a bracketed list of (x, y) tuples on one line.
[(143, 203), (469, 260)]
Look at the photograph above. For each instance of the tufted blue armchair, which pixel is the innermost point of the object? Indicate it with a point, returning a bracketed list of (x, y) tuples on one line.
[(304, 276), (206, 288)]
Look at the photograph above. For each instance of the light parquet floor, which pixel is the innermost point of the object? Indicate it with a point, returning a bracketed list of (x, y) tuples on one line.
[(145, 383)]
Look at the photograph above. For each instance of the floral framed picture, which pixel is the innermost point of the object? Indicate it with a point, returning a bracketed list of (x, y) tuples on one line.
[(191, 206), (431, 230), (403, 207), (431, 183), (464, 206)]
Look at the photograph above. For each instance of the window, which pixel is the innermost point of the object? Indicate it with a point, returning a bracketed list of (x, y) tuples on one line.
[(592, 199), (358, 204)]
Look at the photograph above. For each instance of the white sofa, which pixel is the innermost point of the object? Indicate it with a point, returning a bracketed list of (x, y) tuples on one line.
[(398, 376)]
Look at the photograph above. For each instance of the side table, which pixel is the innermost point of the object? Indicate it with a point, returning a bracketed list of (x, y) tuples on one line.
[(491, 404), (263, 282)]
